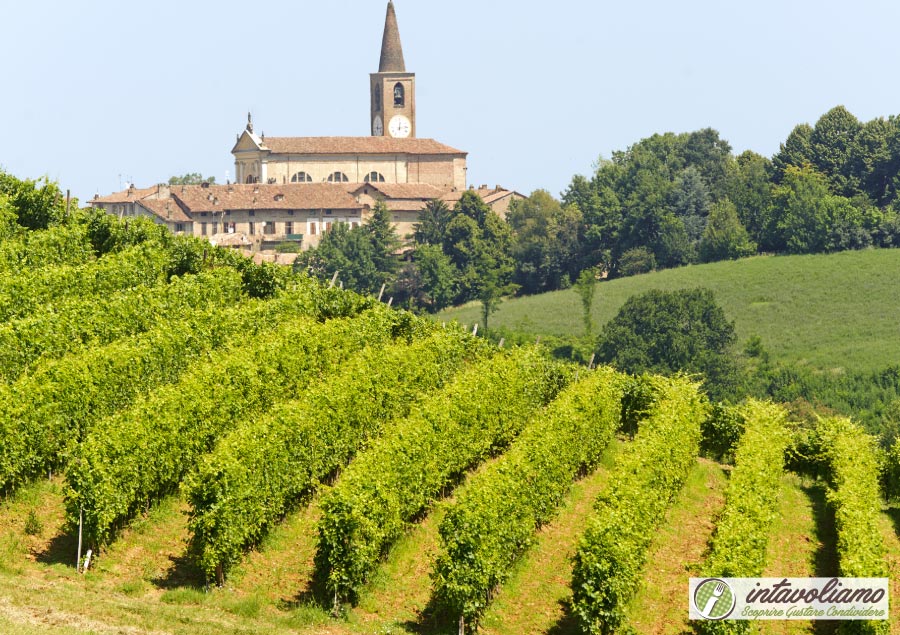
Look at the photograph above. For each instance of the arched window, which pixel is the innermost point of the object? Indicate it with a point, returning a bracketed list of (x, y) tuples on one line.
[(399, 95), (374, 177), (301, 177), (251, 179), (338, 177)]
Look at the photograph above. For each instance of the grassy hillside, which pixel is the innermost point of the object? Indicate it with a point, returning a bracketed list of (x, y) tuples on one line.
[(835, 311)]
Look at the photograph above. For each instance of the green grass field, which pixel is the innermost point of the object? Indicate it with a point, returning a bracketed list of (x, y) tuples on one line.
[(832, 312)]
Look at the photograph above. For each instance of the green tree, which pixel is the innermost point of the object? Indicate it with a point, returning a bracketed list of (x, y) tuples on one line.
[(806, 218), (385, 244), (724, 237), (749, 187), (795, 151), (585, 287), (831, 143), (432, 226), (545, 243), (191, 178), (666, 332), (428, 281)]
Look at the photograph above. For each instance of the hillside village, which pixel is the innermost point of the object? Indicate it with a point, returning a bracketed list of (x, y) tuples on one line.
[(294, 189)]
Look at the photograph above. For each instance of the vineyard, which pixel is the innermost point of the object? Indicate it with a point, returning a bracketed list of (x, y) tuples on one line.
[(241, 449)]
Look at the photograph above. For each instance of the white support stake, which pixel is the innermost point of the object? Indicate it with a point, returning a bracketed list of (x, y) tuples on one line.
[(381, 293), (475, 330), (333, 280), (80, 527), (87, 561)]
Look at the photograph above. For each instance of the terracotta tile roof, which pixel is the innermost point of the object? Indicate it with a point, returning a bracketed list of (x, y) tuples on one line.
[(166, 210), (452, 197), (405, 206), (405, 190), (216, 198), (357, 145), (496, 195), (126, 196), (230, 240)]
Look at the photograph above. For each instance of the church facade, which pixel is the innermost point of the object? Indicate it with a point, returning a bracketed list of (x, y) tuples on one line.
[(297, 188)]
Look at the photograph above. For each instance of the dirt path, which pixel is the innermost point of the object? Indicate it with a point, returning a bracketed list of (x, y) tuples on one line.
[(535, 597), (660, 608), (801, 545)]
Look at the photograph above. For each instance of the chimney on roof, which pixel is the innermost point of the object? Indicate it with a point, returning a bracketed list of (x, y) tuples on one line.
[(391, 49), (483, 186), (498, 188), (205, 185)]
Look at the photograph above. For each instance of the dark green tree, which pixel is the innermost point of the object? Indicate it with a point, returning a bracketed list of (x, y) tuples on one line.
[(831, 143), (432, 226), (385, 244), (585, 287), (545, 242), (724, 237), (666, 332)]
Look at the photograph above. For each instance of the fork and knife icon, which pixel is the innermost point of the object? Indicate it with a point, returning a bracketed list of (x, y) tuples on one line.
[(714, 598)]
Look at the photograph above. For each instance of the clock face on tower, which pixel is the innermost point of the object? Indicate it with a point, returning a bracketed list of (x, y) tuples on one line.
[(399, 127), (377, 126)]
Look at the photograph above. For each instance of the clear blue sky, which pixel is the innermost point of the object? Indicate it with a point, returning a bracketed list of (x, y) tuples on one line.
[(534, 91)]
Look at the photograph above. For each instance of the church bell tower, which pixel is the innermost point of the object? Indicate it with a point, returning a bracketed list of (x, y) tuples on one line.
[(393, 90)]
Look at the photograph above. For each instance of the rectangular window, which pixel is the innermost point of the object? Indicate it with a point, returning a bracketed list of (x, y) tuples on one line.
[(289, 228), (252, 212), (269, 227), (179, 227), (327, 227), (252, 229), (313, 228), (215, 228), (203, 229)]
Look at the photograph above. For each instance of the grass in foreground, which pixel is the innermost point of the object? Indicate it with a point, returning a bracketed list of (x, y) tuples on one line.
[(534, 599), (832, 311)]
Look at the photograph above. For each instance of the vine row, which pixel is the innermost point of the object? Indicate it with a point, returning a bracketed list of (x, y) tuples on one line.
[(498, 510), (649, 472), (403, 471)]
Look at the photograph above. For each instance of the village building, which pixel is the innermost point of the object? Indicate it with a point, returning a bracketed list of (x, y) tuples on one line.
[(294, 189)]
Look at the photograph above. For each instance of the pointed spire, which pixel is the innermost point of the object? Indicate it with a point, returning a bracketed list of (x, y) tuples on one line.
[(391, 50)]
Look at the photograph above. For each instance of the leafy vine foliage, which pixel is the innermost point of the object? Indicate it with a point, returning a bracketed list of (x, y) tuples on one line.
[(401, 474)]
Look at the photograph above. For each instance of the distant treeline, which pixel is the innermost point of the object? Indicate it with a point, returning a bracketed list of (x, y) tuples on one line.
[(671, 200), (666, 201)]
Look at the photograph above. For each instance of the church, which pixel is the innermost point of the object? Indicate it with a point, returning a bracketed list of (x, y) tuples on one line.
[(294, 189)]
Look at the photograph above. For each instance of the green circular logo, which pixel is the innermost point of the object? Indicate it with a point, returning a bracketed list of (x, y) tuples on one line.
[(714, 599)]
